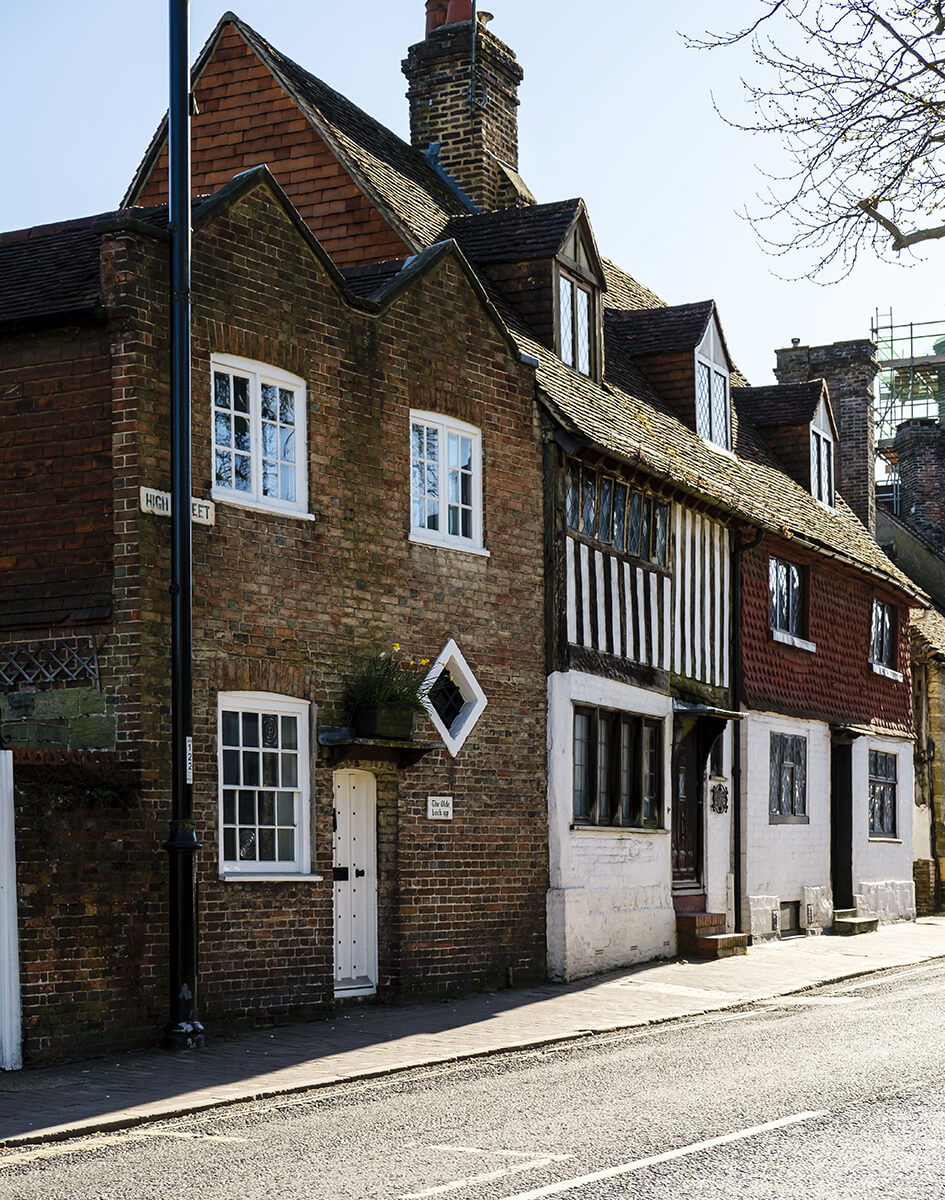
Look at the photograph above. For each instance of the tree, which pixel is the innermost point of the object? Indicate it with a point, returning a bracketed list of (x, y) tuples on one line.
[(855, 90)]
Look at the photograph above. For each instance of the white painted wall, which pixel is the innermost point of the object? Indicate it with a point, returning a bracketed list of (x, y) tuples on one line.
[(882, 867), (10, 1027), (780, 861), (610, 896)]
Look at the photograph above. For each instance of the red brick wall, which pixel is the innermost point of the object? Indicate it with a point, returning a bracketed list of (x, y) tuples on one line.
[(837, 682), (247, 119), (55, 476)]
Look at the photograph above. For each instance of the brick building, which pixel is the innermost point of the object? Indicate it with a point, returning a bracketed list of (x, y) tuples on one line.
[(427, 413)]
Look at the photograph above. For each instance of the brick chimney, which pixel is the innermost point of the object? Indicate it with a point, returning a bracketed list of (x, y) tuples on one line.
[(920, 449), (849, 369), (473, 120)]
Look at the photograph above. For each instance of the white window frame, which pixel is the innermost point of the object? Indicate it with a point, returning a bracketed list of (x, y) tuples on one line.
[(259, 373), (821, 435), (710, 355), (300, 867), (451, 659), (441, 537)]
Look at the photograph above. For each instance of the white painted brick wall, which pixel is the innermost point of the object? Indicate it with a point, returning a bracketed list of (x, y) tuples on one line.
[(882, 869)]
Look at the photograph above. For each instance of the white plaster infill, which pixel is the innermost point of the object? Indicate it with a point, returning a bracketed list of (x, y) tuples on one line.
[(882, 669), (10, 1013), (790, 639)]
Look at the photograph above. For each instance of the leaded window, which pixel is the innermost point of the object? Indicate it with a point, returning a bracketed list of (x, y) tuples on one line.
[(787, 797), (883, 647), (445, 481), (453, 697), (712, 405), (787, 597), (617, 764), (821, 467), (258, 434), (602, 508), (575, 322), (883, 781), (263, 773)]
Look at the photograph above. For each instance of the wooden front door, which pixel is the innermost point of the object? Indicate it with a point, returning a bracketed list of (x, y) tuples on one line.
[(687, 812), (355, 873)]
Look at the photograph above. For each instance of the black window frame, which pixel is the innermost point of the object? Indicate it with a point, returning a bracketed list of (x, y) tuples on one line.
[(631, 522), (794, 621), (787, 760), (622, 781), (883, 794), (884, 640)]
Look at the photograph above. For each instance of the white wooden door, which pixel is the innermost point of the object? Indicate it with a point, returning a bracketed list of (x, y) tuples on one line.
[(10, 1056), (355, 872)]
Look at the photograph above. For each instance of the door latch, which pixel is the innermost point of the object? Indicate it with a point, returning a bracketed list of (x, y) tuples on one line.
[(358, 874), (340, 874)]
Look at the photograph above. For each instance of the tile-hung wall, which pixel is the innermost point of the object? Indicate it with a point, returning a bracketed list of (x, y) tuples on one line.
[(622, 550)]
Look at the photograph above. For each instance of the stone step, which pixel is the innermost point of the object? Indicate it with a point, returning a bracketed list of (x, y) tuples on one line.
[(700, 922), (721, 945), (843, 913), (848, 926)]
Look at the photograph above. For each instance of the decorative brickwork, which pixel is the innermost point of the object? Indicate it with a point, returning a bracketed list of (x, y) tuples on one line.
[(836, 682), (920, 450), (475, 122), (849, 369)]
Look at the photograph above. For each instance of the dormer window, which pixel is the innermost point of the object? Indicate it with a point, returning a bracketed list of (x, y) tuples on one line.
[(821, 457), (713, 410), (577, 306)]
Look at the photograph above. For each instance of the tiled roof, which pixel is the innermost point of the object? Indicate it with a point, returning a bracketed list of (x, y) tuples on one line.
[(515, 234), (661, 330), (365, 280), (50, 275), (780, 404), (928, 630), (624, 292)]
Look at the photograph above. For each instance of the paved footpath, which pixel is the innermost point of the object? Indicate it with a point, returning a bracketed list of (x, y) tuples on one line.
[(54, 1102)]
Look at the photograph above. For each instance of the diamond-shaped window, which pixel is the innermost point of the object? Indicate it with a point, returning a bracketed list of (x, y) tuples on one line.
[(454, 699)]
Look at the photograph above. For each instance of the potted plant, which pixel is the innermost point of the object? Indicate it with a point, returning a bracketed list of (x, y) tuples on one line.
[(383, 694)]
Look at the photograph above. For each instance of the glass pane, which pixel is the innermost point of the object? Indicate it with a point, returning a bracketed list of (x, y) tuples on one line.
[(287, 445), (633, 533), (603, 770), (645, 529), (250, 768), (270, 409), (626, 772), (826, 471), (222, 431), (231, 729), (290, 770), (270, 478), (467, 523), (605, 524), (565, 321), (221, 390), (581, 739), (287, 490), (719, 409), (270, 440), (241, 433), (572, 493), (452, 491), (267, 845), (583, 331), (620, 517), (416, 479), (433, 515), (285, 809), (229, 808), (286, 406), (247, 809), (270, 730), (589, 502), (662, 520), (416, 441), (248, 845), (290, 733), (773, 590), (433, 443), (231, 766), (416, 514), (452, 450), (240, 394), (286, 839), (814, 467), (795, 602), (224, 469), (229, 845), (250, 723), (453, 520), (267, 807), (465, 454), (466, 489), (703, 401), (270, 770), (433, 481), (651, 773)]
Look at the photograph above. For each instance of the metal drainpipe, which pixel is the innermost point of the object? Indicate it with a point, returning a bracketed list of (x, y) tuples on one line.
[(183, 1030), (738, 549)]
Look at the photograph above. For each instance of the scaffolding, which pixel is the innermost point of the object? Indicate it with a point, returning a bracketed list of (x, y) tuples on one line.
[(910, 385)]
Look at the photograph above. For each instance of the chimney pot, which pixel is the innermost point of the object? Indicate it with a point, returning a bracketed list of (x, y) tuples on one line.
[(795, 342), (459, 10), (436, 14)]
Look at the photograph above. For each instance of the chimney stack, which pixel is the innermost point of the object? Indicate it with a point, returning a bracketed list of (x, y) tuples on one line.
[(920, 451), (849, 369), (463, 94)]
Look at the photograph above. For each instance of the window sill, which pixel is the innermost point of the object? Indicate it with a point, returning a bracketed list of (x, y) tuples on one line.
[(251, 877), (888, 672), (726, 450), (610, 830), (441, 544), (257, 506), (784, 819), (885, 841), (790, 639)]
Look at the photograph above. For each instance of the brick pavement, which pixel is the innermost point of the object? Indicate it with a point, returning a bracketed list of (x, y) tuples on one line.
[(54, 1102)]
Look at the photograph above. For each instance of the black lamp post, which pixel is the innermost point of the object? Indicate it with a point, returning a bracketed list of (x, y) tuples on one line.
[(183, 1030)]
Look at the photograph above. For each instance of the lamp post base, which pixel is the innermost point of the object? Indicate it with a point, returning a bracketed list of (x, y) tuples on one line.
[(180, 1038)]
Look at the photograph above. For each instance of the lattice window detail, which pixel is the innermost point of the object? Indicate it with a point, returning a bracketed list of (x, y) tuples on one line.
[(48, 662)]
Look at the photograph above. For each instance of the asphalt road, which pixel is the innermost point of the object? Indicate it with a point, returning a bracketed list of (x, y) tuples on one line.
[(838, 1093)]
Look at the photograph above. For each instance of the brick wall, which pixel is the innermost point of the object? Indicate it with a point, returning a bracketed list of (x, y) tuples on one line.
[(920, 450), (836, 683), (246, 119)]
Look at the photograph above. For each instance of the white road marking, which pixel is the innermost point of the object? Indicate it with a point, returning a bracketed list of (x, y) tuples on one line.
[(532, 1162), (568, 1185), (101, 1141), (804, 1001)]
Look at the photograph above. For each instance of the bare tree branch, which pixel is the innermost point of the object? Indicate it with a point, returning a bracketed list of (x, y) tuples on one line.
[(900, 240)]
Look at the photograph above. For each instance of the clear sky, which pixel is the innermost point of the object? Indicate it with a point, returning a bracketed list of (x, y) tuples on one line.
[(614, 108)]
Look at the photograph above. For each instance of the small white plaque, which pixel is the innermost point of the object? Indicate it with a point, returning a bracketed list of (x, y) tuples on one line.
[(440, 808), (159, 503), (190, 760)]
